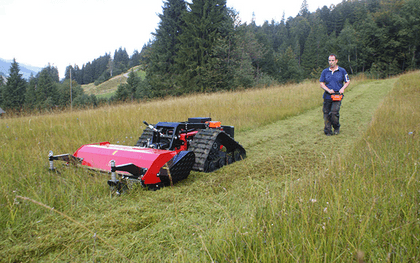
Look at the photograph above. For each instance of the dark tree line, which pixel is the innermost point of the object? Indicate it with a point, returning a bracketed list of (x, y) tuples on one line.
[(45, 91), (203, 47), (41, 92), (104, 67)]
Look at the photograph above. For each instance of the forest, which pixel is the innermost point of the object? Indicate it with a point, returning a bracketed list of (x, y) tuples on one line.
[(203, 46)]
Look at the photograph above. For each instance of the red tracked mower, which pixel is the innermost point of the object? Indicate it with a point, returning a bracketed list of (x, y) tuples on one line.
[(164, 154)]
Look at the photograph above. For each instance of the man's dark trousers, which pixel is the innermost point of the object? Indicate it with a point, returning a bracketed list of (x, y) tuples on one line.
[(331, 111)]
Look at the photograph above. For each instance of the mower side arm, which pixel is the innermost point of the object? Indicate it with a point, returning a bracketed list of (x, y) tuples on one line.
[(68, 158), (133, 169)]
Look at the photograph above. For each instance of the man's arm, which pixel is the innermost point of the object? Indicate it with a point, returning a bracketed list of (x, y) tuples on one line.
[(346, 84), (324, 87)]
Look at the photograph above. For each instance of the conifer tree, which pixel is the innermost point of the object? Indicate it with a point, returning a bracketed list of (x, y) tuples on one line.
[(88, 73), (76, 74), (122, 93), (53, 72), (251, 55), (348, 48), (410, 31), (316, 50), (121, 61), (46, 91), (207, 27), (160, 57), (100, 69), (1, 89), (304, 10), (134, 59), (299, 29), (369, 33), (289, 67), (30, 96), (67, 73), (15, 88)]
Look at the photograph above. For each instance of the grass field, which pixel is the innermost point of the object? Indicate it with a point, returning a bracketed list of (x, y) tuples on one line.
[(300, 196), (108, 88)]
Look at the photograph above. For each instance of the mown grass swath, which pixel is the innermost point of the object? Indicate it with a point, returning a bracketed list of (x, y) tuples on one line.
[(365, 206), (283, 203)]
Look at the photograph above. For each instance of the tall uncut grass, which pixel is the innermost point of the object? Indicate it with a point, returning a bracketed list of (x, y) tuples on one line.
[(283, 203)]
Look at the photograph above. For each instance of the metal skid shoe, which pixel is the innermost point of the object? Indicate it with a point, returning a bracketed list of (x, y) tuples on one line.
[(116, 186), (127, 180), (154, 187)]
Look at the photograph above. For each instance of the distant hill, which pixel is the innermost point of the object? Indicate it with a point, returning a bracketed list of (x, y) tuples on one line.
[(109, 87), (25, 70)]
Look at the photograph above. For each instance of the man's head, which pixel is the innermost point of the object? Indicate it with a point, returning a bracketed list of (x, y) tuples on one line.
[(332, 60)]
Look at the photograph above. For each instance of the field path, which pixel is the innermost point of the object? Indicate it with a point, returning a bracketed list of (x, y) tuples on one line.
[(300, 140)]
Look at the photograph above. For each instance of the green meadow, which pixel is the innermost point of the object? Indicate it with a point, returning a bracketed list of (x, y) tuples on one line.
[(299, 196)]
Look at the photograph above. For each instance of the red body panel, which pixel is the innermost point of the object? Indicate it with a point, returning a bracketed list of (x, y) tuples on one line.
[(99, 156), (183, 137)]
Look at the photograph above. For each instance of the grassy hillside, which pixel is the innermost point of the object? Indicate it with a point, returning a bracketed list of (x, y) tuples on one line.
[(299, 195), (109, 87)]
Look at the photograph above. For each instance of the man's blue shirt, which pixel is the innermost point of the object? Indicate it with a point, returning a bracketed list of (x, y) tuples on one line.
[(333, 80)]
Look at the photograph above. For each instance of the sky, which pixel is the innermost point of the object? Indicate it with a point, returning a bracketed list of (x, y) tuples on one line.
[(75, 32)]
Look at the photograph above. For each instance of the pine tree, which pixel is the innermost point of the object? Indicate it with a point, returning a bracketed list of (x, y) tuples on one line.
[(1, 89), (67, 73), (46, 91), (410, 31), (122, 93), (88, 73), (132, 84), (347, 41), (30, 96), (304, 10), (63, 90), (207, 25), (76, 74), (316, 50), (100, 69), (53, 72), (289, 67), (160, 57), (369, 36), (134, 59), (299, 29), (244, 71), (121, 61), (250, 51), (15, 88), (266, 37)]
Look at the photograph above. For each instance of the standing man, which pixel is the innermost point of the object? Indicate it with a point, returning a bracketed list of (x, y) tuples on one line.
[(333, 80)]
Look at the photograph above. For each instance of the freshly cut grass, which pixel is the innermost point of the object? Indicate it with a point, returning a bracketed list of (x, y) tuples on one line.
[(362, 207), (299, 195)]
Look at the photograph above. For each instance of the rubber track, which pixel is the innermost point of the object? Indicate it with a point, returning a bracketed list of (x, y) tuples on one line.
[(203, 142), (147, 134), (201, 145)]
